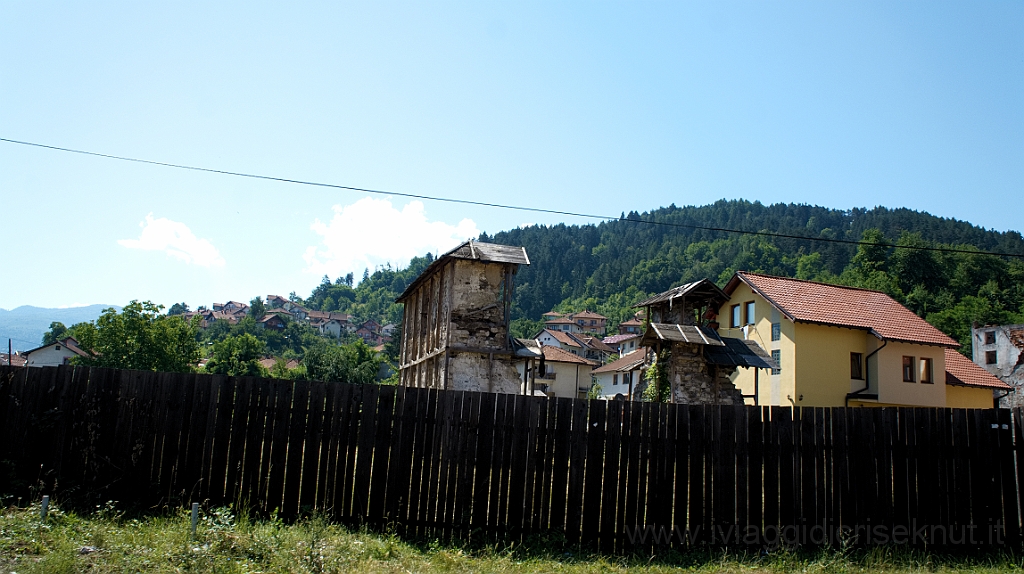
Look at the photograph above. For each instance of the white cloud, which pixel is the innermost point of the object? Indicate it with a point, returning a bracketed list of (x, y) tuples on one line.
[(175, 239), (372, 232)]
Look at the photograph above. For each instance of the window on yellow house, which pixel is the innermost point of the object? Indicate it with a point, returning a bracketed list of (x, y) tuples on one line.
[(856, 366), (776, 331), (735, 319), (908, 369), (926, 370), (777, 357), (749, 308)]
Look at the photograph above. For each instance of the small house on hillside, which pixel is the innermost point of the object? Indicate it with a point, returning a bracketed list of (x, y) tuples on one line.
[(455, 326), (620, 378)]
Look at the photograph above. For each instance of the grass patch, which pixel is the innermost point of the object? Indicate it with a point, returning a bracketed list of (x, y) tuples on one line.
[(108, 541)]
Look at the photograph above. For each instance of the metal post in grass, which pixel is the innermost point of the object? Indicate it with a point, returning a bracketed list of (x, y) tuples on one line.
[(44, 507), (195, 518)]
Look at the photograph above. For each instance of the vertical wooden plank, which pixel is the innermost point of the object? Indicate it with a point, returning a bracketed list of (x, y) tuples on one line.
[(755, 472), (328, 450), (279, 447), (595, 464), (466, 463), (542, 485), (632, 514), (311, 447), (383, 436), (742, 470), (398, 467), (682, 457), (446, 401), (484, 452), (808, 486), (517, 476), (725, 481), (296, 438), (239, 429), (609, 533), (417, 480), (698, 520), (364, 457), (788, 503), (431, 454), (577, 456), (560, 464), (665, 489)]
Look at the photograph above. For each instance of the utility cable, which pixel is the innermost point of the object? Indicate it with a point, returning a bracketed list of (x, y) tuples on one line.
[(516, 207)]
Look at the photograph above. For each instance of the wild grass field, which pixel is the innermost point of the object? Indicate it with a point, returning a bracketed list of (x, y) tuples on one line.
[(108, 541)]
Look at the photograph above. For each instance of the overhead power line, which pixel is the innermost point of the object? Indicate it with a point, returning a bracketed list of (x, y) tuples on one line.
[(513, 207)]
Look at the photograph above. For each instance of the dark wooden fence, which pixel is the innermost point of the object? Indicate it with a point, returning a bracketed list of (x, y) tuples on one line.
[(449, 463)]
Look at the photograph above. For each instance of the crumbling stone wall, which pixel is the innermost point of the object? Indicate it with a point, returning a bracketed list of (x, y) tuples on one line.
[(692, 382), (470, 372), (478, 322), (680, 313), (477, 317)]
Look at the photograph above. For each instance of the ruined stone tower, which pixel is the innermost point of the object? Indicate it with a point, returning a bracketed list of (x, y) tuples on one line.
[(700, 361), (455, 322)]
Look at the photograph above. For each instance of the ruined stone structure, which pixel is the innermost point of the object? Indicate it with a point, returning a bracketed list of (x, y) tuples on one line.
[(1000, 350), (455, 322), (700, 362)]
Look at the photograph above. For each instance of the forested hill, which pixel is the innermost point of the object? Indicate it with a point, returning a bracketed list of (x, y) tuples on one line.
[(609, 266)]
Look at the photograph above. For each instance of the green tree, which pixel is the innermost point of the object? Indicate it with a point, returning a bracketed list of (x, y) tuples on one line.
[(178, 309), (57, 332), (140, 337), (257, 310), (237, 356), (355, 362)]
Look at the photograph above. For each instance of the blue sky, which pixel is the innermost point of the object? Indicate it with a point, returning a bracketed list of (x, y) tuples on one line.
[(593, 107)]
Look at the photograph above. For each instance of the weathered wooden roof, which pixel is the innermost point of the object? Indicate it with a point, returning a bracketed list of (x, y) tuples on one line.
[(473, 250), (703, 288), (680, 333), (739, 353), (489, 252)]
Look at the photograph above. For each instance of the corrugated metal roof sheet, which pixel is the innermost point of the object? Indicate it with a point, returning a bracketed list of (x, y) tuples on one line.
[(739, 353), (681, 333), (702, 287)]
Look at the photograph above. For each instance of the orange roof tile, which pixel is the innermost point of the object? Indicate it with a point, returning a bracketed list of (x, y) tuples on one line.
[(630, 362), (962, 372), (565, 338), (810, 302), (562, 356)]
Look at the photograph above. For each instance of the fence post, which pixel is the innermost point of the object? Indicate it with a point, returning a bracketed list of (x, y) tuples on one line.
[(43, 508), (195, 518)]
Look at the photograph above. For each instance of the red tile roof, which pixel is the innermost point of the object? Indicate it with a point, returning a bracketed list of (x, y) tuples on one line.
[(632, 322), (560, 321), (562, 356), (588, 315), (962, 372), (810, 302), (565, 338), (630, 362)]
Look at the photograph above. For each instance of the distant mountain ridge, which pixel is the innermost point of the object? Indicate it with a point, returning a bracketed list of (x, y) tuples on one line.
[(25, 325)]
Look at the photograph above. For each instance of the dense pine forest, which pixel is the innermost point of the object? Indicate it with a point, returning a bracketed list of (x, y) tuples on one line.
[(609, 266)]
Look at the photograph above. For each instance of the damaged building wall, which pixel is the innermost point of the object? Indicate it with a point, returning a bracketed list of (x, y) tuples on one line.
[(1000, 350), (694, 381), (455, 321)]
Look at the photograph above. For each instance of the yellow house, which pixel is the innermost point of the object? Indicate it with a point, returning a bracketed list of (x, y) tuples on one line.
[(842, 346)]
